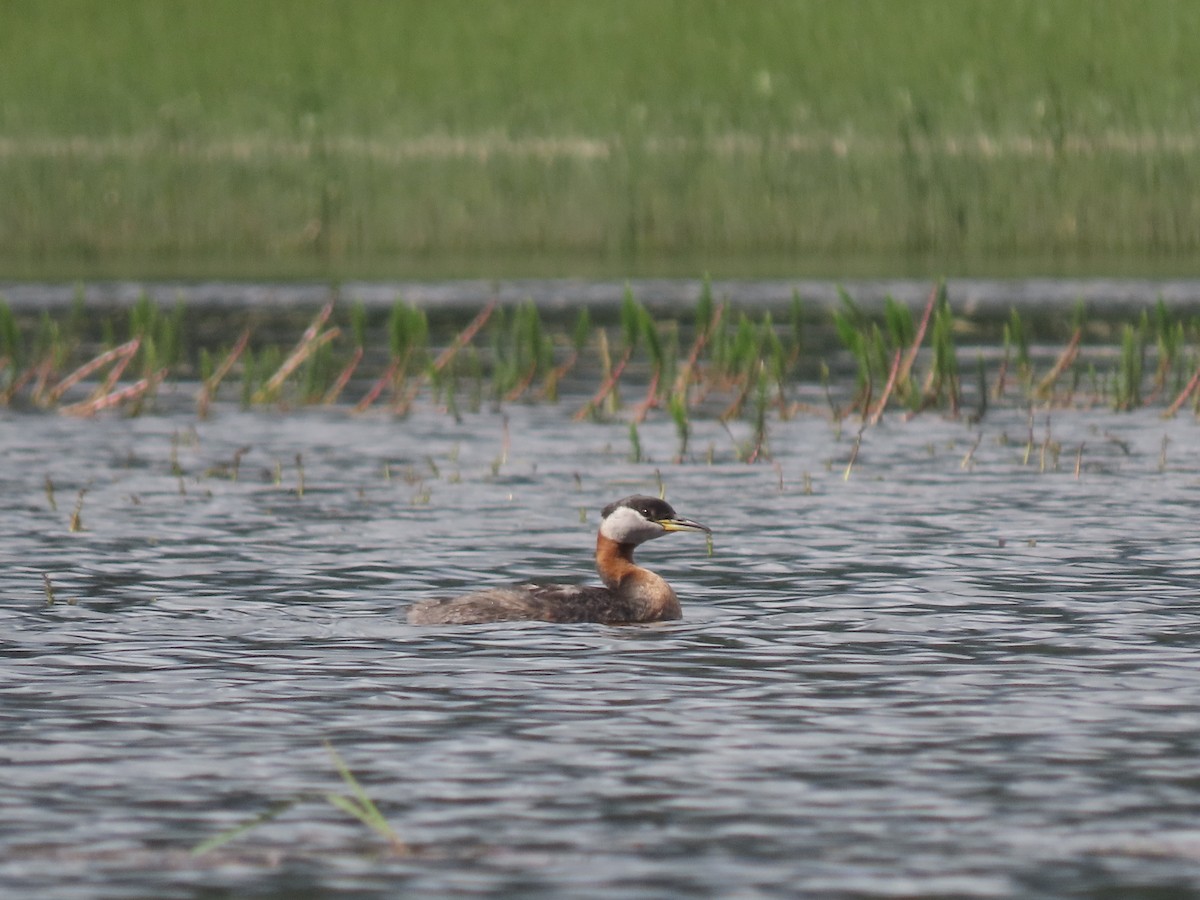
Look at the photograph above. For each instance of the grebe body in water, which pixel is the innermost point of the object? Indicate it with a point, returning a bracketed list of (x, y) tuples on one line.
[(630, 593)]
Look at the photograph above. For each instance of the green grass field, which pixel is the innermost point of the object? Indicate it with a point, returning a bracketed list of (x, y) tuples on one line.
[(334, 139)]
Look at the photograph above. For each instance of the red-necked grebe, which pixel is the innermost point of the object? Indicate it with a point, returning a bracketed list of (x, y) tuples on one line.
[(630, 593)]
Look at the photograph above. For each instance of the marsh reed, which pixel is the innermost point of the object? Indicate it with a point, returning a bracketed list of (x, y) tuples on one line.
[(712, 361)]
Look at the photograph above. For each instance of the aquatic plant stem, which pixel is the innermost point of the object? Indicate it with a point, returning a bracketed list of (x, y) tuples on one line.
[(853, 455), (134, 391), (914, 348), (303, 351), (893, 373), (465, 336), (76, 521), (343, 378), (684, 378), (651, 399), (1183, 395), (606, 388), (383, 381), (213, 383), (124, 352), (1065, 358), (550, 384), (968, 460)]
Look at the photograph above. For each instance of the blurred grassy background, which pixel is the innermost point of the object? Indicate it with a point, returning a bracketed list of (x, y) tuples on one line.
[(318, 138)]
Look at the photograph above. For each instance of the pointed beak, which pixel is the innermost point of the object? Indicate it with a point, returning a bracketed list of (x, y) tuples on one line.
[(683, 525)]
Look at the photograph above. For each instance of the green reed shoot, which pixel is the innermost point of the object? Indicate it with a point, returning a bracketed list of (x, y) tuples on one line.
[(1015, 336), (521, 351), (678, 408), (582, 331), (631, 318), (161, 334), (761, 402), (149, 355), (943, 375), (864, 341), (504, 369), (654, 348), (712, 331), (407, 328), (1169, 341), (143, 317), (648, 331), (170, 336), (268, 360), (538, 344), (773, 356), (408, 335), (250, 368), (532, 352), (899, 324), (608, 393), (318, 372), (635, 443), (580, 334), (744, 355), (742, 359), (1129, 368), (473, 371)]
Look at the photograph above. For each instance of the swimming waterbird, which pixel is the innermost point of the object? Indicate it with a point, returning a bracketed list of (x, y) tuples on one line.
[(630, 593)]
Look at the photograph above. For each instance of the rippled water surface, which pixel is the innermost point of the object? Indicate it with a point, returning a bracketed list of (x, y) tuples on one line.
[(959, 672)]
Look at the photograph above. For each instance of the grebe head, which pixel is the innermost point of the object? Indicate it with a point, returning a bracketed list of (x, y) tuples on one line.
[(638, 518)]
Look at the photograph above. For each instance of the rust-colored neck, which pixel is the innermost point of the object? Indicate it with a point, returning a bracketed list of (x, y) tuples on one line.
[(638, 595), (614, 561)]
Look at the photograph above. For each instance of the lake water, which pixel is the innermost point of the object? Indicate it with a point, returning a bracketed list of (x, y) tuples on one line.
[(970, 669)]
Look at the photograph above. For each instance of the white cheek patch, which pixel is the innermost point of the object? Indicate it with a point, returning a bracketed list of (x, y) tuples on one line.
[(624, 526)]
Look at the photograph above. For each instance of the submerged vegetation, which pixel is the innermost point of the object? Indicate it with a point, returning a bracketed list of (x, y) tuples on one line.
[(715, 361), (357, 804)]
